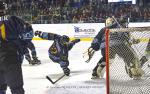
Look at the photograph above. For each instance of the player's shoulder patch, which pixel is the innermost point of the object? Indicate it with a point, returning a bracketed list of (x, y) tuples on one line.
[(2, 31)]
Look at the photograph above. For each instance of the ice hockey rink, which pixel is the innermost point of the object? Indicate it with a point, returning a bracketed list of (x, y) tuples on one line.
[(79, 81)]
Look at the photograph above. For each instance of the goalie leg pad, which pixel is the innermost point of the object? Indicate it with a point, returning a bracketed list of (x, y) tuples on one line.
[(100, 71), (136, 72)]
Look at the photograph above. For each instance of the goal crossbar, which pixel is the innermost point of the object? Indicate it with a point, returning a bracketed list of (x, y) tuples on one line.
[(131, 29)]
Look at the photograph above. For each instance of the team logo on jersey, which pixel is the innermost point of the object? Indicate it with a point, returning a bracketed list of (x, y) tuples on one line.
[(53, 50)]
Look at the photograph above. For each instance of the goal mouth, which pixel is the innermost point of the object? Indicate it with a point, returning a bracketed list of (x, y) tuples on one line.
[(127, 60)]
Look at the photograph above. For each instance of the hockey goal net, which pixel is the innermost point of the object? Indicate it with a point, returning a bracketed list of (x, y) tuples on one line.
[(118, 81)]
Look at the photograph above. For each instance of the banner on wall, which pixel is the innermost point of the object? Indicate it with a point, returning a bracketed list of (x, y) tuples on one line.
[(85, 30)]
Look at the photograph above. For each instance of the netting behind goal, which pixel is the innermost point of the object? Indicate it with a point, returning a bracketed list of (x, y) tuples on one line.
[(121, 50)]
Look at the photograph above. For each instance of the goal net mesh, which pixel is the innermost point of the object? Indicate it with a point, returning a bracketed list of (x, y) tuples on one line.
[(120, 52)]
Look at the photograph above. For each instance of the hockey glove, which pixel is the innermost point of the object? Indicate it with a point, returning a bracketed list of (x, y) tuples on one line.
[(135, 41), (38, 33), (76, 40)]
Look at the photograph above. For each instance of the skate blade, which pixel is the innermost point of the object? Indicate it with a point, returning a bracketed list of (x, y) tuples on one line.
[(96, 77)]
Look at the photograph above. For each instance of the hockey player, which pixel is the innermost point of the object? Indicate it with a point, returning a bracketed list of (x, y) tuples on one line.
[(31, 47), (11, 52), (119, 44), (97, 44), (58, 52)]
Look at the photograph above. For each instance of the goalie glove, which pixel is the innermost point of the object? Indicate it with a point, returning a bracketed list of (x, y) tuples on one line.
[(38, 33), (134, 41), (90, 52)]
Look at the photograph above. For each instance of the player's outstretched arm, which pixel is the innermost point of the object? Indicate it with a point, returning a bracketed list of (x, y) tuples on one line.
[(46, 35), (73, 42)]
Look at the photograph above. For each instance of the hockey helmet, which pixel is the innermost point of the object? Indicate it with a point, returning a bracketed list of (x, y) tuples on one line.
[(65, 38), (109, 21), (3, 8)]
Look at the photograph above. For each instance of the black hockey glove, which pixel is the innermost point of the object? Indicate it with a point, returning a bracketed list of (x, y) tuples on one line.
[(38, 33), (77, 40)]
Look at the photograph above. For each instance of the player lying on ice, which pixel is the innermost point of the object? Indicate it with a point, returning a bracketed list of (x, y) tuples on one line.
[(58, 52), (120, 45)]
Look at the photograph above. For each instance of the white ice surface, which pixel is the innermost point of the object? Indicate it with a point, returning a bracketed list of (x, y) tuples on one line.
[(79, 81)]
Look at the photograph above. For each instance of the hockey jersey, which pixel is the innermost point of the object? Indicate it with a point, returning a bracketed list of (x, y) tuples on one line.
[(114, 39), (58, 51), (11, 36)]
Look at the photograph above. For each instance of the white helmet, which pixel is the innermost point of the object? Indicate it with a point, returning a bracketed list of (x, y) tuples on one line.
[(109, 21)]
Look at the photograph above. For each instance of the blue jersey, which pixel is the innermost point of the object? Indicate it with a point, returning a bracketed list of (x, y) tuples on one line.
[(12, 31), (15, 28), (58, 50), (114, 39)]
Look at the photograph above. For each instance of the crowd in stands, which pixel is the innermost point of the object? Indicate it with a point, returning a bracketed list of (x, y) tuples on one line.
[(75, 11)]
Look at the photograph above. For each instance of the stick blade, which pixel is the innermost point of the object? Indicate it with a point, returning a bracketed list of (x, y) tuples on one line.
[(47, 77)]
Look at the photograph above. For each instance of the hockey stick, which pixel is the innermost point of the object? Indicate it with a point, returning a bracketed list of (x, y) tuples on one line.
[(53, 82)]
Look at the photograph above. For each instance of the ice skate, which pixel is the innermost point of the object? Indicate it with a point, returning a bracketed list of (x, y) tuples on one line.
[(30, 61), (98, 73), (66, 71), (137, 73), (94, 75), (101, 71), (35, 61)]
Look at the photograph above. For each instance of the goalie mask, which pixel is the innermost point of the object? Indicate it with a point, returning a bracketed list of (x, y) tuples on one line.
[(109, 21)]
